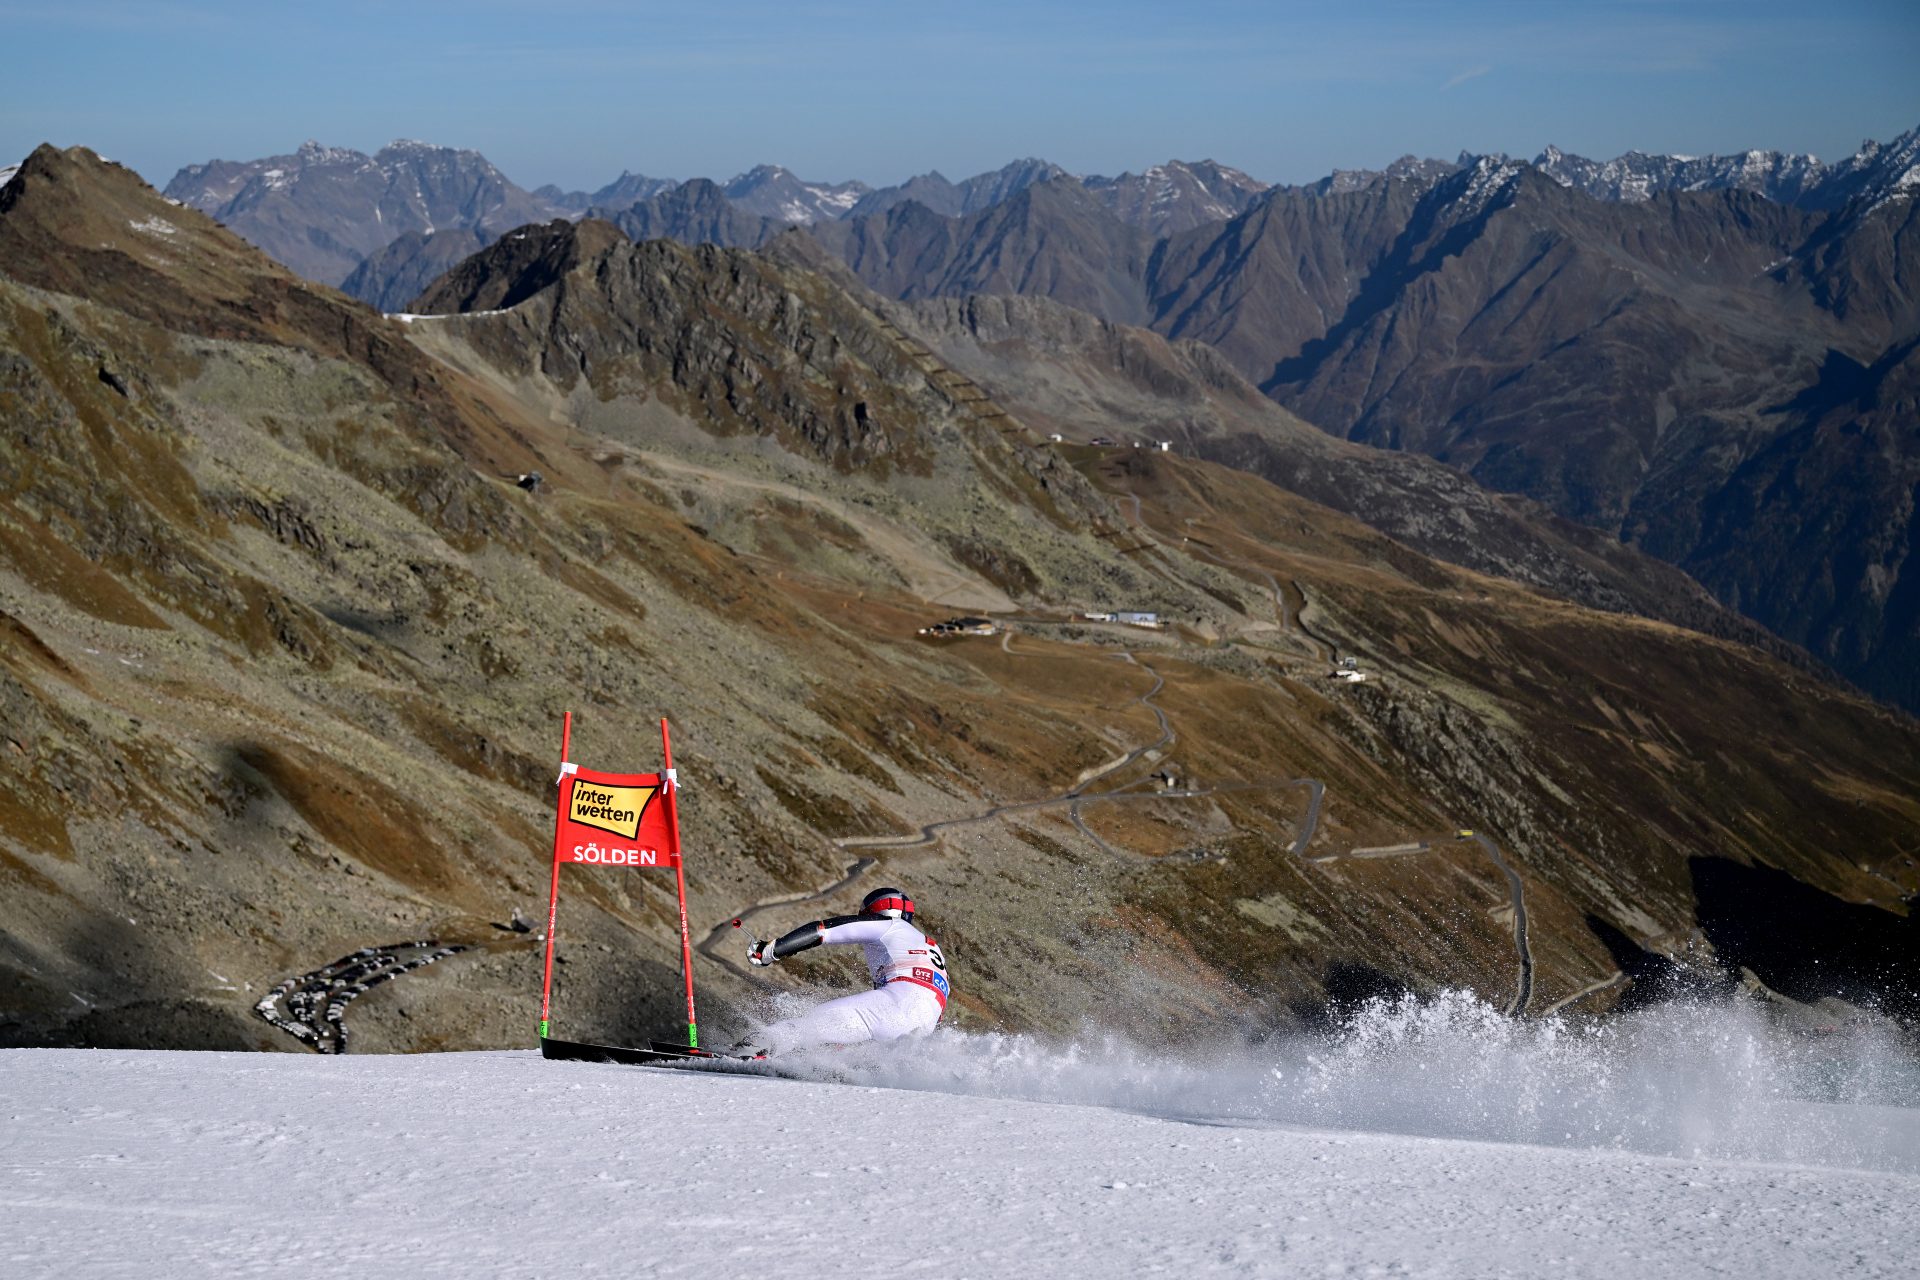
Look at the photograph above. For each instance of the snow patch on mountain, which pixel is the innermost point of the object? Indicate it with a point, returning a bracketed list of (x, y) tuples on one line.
[(1894, 170), (1176, 196), (409, 317), (313, 152), (840, 198), (1490, 178), (773, 192)]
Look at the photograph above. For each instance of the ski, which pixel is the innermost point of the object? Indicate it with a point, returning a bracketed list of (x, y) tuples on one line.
[(688, 1051), (680, 1050), (576, 1051)]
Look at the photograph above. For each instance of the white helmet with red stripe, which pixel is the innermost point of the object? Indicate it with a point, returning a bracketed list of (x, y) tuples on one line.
[(887, 902)]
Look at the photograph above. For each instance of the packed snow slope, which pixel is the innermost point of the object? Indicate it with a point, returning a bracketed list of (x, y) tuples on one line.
[(1434, 1139)]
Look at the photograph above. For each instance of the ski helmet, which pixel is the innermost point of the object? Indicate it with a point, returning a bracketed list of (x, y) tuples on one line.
[(887, 902)]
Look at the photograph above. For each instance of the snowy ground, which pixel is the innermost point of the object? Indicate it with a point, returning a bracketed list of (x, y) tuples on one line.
[(1432, 1142)]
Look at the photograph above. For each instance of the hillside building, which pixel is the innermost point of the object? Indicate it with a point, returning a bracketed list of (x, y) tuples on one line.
[(962, 627)]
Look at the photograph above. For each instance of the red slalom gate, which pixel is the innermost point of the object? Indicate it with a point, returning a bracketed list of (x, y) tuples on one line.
[(617, 820)]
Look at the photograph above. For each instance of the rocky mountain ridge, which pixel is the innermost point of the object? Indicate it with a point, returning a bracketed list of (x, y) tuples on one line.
[(979, 192), (1636, 176), (323, 210), (769, 191), (1176, 196), (1408, 169), (695, 212)]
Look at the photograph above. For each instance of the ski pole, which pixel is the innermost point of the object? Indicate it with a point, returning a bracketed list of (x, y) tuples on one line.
[(758, 941)]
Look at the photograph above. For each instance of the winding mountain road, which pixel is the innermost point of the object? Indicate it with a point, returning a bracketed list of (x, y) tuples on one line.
[(709, 946), (1331, 652), (1522, 947), (1608, 983), (930, 832), (1516, 902), (1280, 602), (1072, 798), (1516, 890)]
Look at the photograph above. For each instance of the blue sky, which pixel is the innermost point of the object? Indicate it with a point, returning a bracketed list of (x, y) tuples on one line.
[(575, 92)]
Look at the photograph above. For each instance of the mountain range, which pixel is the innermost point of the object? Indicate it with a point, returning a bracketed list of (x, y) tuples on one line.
[(1665, 352), (1672, 350), (290, 625), (322, 209), (1713, 376)]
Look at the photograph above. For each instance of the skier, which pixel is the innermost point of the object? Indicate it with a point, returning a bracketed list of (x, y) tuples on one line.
[(909, 977)]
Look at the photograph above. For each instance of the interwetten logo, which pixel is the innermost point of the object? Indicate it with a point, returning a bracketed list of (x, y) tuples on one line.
[(615, 809)]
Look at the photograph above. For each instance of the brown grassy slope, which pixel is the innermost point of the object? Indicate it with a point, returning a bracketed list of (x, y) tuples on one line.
[(1604, 751)]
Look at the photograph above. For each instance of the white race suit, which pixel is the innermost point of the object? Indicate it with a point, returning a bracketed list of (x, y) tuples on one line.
[(910, 987)]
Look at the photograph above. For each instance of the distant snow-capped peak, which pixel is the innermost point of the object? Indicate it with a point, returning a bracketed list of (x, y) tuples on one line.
[(1487, 180), (313, 151), (1636, 176), (1885, 173), (1176, 195), (774, 192)]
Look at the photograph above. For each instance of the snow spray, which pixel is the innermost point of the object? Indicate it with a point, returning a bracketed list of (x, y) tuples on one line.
[(1707, 1080)]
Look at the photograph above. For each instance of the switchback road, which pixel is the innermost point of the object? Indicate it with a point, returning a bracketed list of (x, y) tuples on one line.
[(1523, 949), (1516, 891), (1516, 902)]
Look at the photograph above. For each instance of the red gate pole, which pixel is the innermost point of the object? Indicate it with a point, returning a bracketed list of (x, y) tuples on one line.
[(679, 880), (553, 892)]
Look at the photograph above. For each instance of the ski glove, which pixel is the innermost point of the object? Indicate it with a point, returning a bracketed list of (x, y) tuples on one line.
[(760, 953)]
